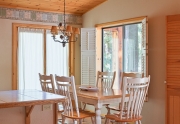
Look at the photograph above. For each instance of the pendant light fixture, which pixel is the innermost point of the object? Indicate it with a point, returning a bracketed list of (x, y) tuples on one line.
[(67, 33)]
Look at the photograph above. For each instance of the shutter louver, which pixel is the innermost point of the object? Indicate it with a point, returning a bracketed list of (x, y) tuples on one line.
[(88, 68), (88, 39)]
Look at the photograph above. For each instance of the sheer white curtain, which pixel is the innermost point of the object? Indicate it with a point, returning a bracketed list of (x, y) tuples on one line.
[(30, 57), (57, 56)]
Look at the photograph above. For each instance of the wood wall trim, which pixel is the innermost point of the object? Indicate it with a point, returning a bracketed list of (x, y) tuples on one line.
[(71, 58), (31, 26), (15, 46), (14, 56), (121, 22)]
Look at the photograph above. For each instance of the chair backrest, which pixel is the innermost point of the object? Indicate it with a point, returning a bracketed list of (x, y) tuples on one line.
[(130, 74), (105, 79), (136, 89), (47, 83), (64, 85)]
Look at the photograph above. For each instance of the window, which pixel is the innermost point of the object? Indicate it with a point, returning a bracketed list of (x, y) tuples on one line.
[(124, 46), (35, 52), (30, 57)]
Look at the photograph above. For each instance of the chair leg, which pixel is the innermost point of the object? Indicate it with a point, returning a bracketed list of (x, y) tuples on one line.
[(139, 122), (112, 122), (80, 121), (107, 121), (83, 105), (108, 112), (92, 120), (63, 120), (74, 121)]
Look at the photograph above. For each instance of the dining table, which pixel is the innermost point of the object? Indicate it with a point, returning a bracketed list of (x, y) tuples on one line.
[(98, 98), (29, 99)]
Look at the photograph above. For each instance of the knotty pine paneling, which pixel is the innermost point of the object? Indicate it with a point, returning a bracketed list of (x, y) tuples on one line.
[(78, 7)]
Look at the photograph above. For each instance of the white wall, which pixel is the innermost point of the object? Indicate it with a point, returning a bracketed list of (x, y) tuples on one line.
[(156, 10), (16, 115), (6, 52)]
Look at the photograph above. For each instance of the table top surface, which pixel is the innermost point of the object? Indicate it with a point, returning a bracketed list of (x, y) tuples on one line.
[(100, 94), (14, 98)]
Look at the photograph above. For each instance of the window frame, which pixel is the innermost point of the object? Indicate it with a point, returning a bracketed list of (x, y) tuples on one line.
[(99, 37), (15, 50), (99, 34), (123, 28)]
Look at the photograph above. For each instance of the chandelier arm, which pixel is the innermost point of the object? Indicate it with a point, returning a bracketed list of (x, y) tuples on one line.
[(54, 38), (58, 41), (64, 16)]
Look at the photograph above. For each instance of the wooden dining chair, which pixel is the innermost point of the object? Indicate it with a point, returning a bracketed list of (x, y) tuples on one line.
[(130, 110), (64, 84), (123, 74), (47, 83), (104, 80)]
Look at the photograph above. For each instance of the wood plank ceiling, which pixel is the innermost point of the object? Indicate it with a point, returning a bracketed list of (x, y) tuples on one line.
[(78, 7)]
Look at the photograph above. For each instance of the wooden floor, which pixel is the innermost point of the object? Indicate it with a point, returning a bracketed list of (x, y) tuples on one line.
[(86, 120)]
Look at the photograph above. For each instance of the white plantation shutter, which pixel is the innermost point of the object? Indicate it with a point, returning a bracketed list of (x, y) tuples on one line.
[(88, 68), (88, 56), (145, 47), (88, 39)]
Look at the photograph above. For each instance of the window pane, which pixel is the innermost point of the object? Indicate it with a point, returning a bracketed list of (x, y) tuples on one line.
[(112, 51), (107, 50), (56, 56), (132, 48), (30, 58), (31, 52), (122, 49)]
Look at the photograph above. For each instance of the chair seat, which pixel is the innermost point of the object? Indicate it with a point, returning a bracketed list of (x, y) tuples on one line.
[(131, 108), (116, 118), (70, 105), (82, 114)]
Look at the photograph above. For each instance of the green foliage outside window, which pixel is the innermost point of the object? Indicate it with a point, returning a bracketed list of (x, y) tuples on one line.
[(107, 51)]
